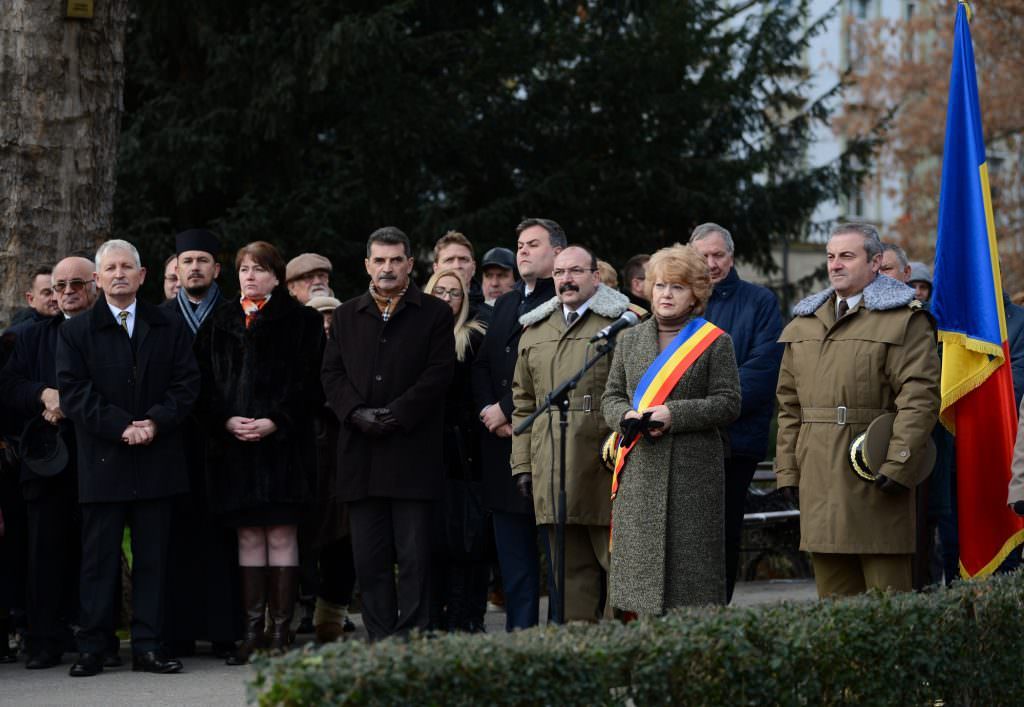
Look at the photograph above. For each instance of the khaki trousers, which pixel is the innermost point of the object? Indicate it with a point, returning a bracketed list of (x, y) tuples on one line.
[(848, 574), (586, 570)]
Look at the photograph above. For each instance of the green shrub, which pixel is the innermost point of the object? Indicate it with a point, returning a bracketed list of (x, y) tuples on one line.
[(959, 645)]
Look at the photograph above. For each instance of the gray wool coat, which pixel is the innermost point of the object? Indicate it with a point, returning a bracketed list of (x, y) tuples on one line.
[(668, 519)]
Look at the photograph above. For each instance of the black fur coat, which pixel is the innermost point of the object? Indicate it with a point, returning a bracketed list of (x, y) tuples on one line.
[(269, 370)]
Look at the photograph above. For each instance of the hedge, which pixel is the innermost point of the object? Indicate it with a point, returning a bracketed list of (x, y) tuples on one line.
[(958, 645)]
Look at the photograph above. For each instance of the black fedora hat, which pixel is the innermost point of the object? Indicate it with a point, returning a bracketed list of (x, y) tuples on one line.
[(41, 447)]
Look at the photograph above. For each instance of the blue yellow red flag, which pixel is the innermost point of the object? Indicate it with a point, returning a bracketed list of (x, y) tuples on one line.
[(977, 387)]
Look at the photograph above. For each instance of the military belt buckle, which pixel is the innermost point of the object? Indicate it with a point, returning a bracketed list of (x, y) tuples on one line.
[(841, 415)]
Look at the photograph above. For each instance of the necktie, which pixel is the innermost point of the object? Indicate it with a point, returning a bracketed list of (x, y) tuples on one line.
[(123, 316), (844, 307), (570, 318)]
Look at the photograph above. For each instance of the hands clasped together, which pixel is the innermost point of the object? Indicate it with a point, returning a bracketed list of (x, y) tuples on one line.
[(250, 429)]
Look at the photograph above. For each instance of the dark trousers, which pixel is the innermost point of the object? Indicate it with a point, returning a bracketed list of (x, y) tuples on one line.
[(202, 578), (515, 538), (54, 544), (386, 531), (739, 472), (337, 572), (102, 529)]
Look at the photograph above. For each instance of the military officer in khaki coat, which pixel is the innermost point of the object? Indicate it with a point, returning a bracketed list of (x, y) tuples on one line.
[(554, 347), (855, 351)]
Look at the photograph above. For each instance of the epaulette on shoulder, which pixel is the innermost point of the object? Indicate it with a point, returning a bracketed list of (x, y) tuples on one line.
[(639, 311)]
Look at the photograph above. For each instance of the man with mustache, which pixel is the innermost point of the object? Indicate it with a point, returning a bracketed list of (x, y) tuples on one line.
[(386, 374), (554, 347), (308, 275), (127, 379), (201, 576)]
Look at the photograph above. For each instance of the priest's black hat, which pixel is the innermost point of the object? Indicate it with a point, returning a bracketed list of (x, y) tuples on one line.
[(197, 239)]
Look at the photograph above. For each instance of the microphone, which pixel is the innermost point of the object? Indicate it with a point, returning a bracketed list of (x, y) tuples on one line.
[(627, 320)]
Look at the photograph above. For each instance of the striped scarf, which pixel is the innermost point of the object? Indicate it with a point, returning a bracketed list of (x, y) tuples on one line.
[(194, 317), (386, 304)]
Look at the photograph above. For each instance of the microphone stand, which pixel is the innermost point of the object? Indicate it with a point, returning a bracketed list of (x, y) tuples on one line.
[(559, 397)]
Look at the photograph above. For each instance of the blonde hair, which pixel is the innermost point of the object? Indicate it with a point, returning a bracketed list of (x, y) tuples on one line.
[(463, 329), (681, 265), (608, 275)]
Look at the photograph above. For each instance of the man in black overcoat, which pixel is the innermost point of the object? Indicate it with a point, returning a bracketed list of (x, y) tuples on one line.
[(386, 374), (515, 529), (127, 380), (49, 484)]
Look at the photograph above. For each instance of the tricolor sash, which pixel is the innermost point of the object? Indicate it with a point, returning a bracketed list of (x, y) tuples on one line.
[(663, 374)]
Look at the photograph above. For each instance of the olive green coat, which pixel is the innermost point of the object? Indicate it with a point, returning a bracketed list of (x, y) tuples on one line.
[(668, 518), (549, 354), (881, 357)]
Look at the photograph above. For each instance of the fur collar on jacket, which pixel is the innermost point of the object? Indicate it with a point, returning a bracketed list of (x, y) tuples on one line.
[(883, 293), (606, 302)]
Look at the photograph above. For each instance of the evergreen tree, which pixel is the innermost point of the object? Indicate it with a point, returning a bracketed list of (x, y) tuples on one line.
[(309, 123)]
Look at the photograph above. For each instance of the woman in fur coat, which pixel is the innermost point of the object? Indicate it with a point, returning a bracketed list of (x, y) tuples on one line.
[(260, 363)]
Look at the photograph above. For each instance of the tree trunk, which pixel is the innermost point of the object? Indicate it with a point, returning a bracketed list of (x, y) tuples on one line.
[(61, 84)]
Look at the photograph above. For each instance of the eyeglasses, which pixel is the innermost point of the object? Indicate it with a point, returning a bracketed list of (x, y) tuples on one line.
[(440, 293), (74, 285), (575, 272)]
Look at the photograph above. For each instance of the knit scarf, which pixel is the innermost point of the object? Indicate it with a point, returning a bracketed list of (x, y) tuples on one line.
[(194, 317), (386, 304), (252, 307)]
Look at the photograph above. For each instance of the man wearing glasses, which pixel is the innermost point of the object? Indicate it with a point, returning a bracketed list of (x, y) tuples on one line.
[(554, 347), (28, 385)]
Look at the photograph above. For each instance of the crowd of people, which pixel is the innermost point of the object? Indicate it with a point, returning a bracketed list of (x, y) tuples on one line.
[(280, 443)]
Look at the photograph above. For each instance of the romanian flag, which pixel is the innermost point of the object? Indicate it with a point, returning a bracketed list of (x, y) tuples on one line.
[(977, 388)]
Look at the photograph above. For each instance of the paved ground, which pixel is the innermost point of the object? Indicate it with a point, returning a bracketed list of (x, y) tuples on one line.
[(210, 683)]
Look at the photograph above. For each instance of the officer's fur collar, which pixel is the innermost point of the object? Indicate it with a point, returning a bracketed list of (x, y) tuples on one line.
[(883, 293), (606, 302)]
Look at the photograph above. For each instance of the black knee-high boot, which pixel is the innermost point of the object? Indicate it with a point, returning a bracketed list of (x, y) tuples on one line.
[(254, 599), (283, 583)]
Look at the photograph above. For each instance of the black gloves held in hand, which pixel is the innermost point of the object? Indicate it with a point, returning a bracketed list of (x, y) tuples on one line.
[(373, 422), (886, 485), (524, 484)]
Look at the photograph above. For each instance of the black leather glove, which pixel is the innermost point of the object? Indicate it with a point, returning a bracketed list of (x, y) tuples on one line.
[(1018, 507), (886, 485), (791, 494), (387, 419), (524, 484), (365, 420)]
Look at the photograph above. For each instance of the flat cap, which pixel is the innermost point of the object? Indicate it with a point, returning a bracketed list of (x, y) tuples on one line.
[(305, 263)]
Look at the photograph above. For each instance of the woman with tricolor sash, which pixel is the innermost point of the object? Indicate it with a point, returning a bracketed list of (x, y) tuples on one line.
[(679, 372)]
